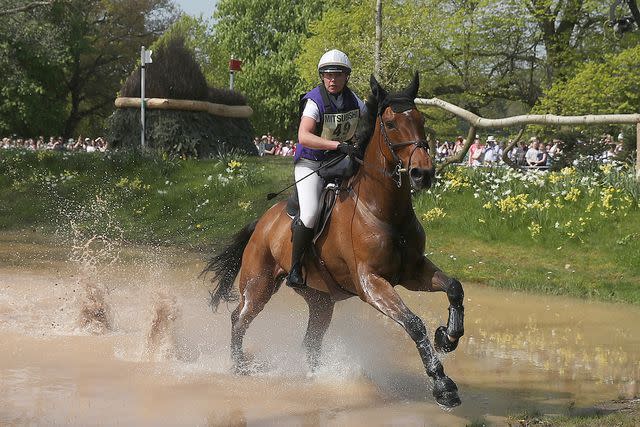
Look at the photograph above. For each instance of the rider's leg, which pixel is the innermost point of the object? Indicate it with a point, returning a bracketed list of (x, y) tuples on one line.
[(301, 238), (309, 190)]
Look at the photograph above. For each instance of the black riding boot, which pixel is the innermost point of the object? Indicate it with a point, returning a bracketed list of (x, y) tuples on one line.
[(300, 241)]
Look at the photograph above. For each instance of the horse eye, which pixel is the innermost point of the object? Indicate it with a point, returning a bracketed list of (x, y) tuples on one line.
[(390, 125)]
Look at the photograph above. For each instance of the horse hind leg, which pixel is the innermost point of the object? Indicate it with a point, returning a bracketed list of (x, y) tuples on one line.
[(320, 313), (255, 292), (446, 338)]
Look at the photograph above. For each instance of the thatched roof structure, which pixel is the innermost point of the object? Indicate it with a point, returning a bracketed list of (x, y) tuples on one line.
[(175, 74)]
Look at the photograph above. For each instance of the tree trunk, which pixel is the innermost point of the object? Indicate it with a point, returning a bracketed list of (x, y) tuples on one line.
[(378, 50), (75, 87)]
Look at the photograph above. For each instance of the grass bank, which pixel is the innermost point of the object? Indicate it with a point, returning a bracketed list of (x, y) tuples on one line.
[(572, 233), (623, 412)]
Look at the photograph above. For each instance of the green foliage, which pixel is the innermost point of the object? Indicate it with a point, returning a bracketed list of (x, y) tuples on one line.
[(31, 57), (610, 86), (599, 87), (466, 52), (267, 37)]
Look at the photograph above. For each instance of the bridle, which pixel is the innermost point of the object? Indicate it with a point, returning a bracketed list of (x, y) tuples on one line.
[(399, 168)]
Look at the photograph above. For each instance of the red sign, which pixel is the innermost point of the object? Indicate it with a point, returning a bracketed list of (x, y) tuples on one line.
[(235, 65)]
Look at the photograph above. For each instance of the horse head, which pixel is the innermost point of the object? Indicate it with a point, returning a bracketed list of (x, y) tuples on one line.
[(401, 128)]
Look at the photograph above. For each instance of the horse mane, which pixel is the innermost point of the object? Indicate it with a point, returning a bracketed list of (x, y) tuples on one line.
[(367, 124)]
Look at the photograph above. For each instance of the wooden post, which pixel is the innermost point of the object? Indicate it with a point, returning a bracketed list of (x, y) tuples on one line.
[(142, 84), (378, 48)]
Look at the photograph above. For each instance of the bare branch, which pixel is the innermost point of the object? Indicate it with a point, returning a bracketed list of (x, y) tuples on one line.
[(509, 147), (539, 119), (471, 135)]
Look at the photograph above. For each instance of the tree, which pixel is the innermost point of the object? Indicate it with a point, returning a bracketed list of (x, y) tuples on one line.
[(571, 32), (267, 37), (465, 51), (608, 87), (103, 39), (31, 54), (378, 51), (70, 58), (199, 39), (10, 8)]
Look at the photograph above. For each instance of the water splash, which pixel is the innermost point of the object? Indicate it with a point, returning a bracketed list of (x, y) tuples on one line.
[(161, 337), (95, 313), (96, 243)]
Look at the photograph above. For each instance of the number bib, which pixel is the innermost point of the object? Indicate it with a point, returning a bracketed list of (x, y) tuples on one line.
[(340, 126)]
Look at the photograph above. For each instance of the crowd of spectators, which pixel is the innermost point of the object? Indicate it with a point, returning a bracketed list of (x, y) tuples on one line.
[(269, 145), (536, 154), (57, 143)]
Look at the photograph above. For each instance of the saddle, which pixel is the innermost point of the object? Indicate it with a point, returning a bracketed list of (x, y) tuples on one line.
[(327, 202)]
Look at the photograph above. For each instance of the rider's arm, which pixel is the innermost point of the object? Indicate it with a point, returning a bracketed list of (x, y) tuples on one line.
[(306, 135), (307, 138)]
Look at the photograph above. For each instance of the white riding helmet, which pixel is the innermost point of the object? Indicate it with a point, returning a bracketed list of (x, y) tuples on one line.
[(334, 61)]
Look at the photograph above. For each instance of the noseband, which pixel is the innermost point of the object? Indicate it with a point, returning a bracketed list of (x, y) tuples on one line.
[(399, 168)]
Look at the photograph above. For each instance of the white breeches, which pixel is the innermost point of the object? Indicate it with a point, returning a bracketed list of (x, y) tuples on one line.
[(309, 190)]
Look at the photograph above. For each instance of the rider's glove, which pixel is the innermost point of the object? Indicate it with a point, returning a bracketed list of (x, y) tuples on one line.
[(346, 148)]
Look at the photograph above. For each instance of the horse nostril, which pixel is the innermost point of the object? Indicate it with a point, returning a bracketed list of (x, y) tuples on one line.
[(416, 174)]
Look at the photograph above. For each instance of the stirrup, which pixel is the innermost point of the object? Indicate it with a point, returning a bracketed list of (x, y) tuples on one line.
[(297, 284)]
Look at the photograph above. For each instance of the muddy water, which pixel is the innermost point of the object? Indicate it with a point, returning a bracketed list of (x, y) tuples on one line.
[(99, 334)]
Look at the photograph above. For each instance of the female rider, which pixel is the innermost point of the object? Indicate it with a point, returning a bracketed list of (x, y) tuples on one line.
[(330, 114)]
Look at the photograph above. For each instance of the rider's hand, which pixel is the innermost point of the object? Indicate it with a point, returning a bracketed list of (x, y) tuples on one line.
[(346, 148)]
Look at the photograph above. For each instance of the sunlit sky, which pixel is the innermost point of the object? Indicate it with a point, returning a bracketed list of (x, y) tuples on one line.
[(197, 7)]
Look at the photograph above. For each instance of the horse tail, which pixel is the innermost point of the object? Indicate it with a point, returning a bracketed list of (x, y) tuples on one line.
[(226, 265)]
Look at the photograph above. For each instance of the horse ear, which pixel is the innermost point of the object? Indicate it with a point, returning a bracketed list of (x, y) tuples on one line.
[(378, 91), (412, 89)]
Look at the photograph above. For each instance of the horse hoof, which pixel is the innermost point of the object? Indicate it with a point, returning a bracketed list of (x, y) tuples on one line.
[(445, 392), (442, 342), (241, 364), (241, 368)]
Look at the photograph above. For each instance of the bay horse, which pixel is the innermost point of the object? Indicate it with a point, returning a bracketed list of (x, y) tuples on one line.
[(372, 242)]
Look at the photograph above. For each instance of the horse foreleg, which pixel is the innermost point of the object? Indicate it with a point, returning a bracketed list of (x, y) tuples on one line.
[(431, 279), (381, 295), (446, 338), (320, 313)]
